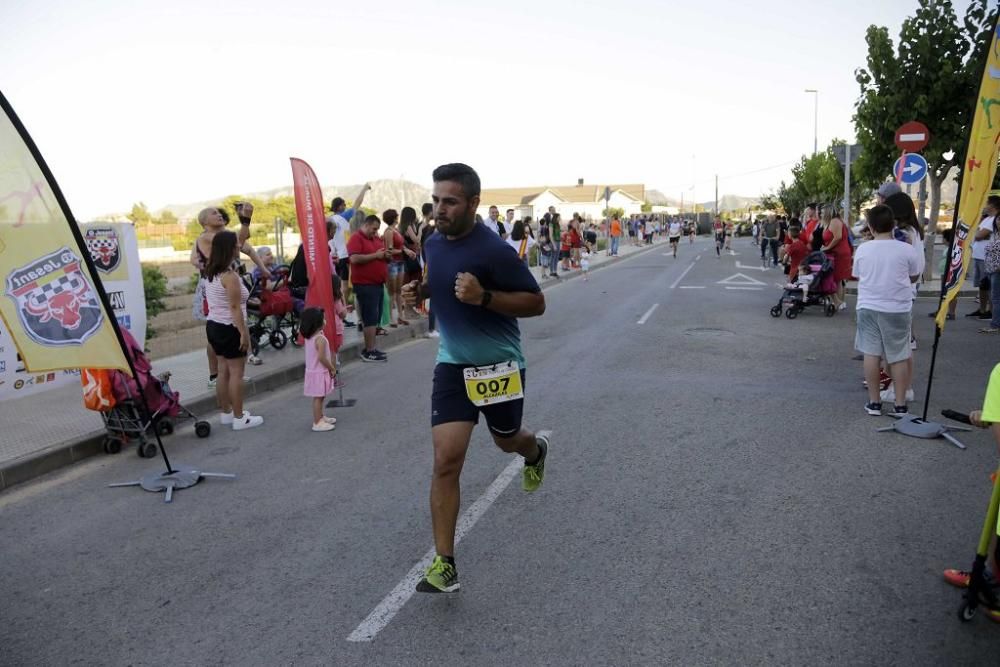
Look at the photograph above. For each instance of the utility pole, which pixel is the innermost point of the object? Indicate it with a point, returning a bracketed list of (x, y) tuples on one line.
[(716, 194), (847, 185), (815, 119)]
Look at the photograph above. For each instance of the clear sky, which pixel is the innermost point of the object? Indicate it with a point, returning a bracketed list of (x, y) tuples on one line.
[(173, 102)]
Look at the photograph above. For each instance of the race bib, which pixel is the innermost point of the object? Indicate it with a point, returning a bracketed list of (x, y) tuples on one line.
[(496, 383)]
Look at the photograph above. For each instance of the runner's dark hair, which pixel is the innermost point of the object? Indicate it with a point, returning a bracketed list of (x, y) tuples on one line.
[(462, 174), (220, 260), (310, 322)]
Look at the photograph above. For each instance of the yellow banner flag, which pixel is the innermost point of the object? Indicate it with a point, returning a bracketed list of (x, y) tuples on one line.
[(49, 301), (978, 170)]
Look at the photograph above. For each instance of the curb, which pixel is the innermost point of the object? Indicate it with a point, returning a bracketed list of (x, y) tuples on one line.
[(924, 292), (77, 449)]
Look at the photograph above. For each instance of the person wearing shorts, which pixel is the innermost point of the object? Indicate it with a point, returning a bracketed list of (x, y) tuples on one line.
[(674, 232), (226, 329), (885, 269), (369, 273), (479, 288)]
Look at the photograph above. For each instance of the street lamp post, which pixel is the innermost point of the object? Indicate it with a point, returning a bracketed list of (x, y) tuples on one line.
[(815, 119)]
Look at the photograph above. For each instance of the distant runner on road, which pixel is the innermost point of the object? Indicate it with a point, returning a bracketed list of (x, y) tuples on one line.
[(479, 287), (675, 234)]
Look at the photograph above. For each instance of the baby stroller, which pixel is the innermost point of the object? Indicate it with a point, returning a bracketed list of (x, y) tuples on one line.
[(127, 419), (813, 289), (271, 309)]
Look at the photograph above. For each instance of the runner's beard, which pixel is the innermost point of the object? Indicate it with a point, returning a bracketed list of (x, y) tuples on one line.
[(455, 227)]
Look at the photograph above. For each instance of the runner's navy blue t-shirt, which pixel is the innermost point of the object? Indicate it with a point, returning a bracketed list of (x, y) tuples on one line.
[(470, 334)]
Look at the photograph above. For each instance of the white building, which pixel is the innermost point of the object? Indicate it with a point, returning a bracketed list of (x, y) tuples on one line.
[(587, 200)]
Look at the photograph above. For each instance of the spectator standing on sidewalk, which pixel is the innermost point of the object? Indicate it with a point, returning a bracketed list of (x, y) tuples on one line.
[(226, 329), (616, 237), (837, 247), (369, 273), (555, 232), (769, 239), (340, 218), (982, 278), (428, 229), (886, 269)]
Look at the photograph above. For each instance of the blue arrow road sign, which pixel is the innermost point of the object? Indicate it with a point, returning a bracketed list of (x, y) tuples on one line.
[(914, 169)]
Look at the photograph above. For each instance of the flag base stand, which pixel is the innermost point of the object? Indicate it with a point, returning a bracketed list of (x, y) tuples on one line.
[(181, 478), (340, 401), (917, 427)]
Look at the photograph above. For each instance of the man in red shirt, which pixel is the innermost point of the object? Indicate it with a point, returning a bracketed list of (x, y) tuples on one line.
[(795, 251), (369, 273)]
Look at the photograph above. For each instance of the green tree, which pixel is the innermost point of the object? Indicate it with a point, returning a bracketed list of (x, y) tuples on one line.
[(933, 77), (769, 201), (646, 207), (166, 218), (140, 215), (613, 212)]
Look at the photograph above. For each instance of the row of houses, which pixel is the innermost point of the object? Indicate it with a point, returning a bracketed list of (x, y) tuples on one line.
[(587, 200)]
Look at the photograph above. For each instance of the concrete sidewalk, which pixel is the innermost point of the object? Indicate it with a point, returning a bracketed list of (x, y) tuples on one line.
[(47, 431)]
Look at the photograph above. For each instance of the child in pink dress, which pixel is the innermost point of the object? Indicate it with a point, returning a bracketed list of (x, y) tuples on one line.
[(320, 370)]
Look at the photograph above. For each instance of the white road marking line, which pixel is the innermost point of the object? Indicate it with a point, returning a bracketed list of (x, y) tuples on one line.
[(754, 289), (684, 273), (692, 287), (642, 320), (390, 605), (740, 279), (752, 268)]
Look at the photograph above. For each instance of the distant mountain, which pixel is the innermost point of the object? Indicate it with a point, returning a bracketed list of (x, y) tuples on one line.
[(386, 193), (726, 202)]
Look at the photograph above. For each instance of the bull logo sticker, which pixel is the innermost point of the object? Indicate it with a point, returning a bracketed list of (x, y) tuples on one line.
[(104, 249), (56, 303)]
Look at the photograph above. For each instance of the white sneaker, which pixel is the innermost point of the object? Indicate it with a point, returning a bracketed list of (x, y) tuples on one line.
[(246, 421), (330, 420), (433, 334), (212, 382), (323, 426), (254, 360), (890, 394), (913, 343), (226, 418)]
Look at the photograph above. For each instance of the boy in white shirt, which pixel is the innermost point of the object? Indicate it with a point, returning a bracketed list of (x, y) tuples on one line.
[(885, 269)]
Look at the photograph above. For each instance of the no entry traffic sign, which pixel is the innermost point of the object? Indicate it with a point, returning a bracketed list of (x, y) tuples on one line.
[(912, 136)]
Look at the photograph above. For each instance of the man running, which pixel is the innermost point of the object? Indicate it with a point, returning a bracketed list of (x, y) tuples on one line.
[(720, 235), (674, 233), (479, 287)]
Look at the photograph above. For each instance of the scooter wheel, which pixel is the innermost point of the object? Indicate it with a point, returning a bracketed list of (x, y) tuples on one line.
[(202, 429), (776, 311), (966, 612)]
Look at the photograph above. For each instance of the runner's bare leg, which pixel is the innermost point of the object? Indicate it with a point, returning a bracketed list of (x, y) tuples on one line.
[(451, 442)]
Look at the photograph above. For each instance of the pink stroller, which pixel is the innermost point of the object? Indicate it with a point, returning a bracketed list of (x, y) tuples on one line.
[(129, 420)]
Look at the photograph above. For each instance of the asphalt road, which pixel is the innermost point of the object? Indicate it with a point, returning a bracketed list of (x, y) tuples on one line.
[(715, 494)]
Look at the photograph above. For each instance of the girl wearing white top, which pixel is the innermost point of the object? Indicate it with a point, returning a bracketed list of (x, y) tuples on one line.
[(227, 329), (521, 240)]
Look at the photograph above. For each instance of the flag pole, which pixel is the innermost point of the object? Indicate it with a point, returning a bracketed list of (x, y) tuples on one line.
[(78, 237)]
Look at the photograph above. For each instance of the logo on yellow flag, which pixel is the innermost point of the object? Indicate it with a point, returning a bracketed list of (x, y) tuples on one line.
[(56, 303)]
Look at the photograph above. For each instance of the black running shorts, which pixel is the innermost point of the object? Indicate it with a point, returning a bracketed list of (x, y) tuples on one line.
[(450, 403)]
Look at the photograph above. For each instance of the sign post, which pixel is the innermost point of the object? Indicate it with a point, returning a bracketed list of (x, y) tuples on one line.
[(846, 154)]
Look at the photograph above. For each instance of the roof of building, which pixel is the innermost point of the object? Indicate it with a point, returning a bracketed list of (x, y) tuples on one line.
[(571, 194)]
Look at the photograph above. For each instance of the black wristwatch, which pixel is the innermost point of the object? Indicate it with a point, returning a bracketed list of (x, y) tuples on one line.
[(487, 297)]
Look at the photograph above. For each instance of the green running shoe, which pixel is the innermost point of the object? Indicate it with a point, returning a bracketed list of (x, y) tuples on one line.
[(441, 577), (534, 474)]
